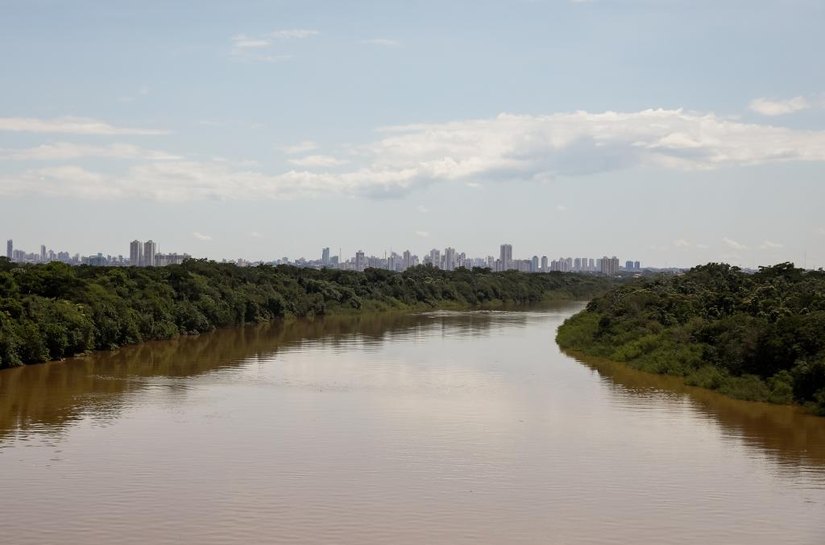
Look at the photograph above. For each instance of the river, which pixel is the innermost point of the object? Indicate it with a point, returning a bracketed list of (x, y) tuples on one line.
[(395, 429)]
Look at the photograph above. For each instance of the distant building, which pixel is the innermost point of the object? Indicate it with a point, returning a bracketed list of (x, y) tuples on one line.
[(325, 257), (149, 251), (136, 253), (506, 256), (435, 258), (42, 253), (609, 265), (360, 262), (544, 263), (637, 265), (10, 249), (449, 259)]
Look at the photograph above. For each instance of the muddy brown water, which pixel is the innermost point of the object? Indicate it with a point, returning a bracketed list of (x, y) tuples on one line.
[(446, 428)]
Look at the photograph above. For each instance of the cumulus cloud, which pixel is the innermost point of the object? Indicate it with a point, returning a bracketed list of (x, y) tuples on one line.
[(734, 245), (505, 148), (315, 161), (64, 151), (766, 106), (300, 147), (70, 125)]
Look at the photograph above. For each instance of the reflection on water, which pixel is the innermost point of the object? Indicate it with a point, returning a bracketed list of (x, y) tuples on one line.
[(46, 397), (436, 428), (789, 433)]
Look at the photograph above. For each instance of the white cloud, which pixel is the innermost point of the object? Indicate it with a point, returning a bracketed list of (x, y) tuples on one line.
[(471, 152), (293, 34), (300, 147), (315, 161), (201, 236), (70, 125), (683, 243), (770, 245), (423, 234), (383, 42), (65, 151), (242, 41), (259, 48), (733, 245), (766, 106)]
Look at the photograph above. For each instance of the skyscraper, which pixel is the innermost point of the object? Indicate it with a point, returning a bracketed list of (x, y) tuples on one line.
[(609, 265), (136, 253), (360, 262), (506, 256), (449, 259), (10, 249), (325, 257), (42, 253), (149, 250), (435, 258), (544, 263)]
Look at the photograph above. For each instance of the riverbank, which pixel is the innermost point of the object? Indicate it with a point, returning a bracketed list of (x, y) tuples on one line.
[(755, 337), (54, 311)]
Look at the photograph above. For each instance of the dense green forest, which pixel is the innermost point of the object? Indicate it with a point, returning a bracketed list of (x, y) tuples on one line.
[(54, 311), (757, 336)]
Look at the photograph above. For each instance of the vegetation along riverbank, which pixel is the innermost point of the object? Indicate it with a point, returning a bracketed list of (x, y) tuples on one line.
[(757, 336), (53, 311)]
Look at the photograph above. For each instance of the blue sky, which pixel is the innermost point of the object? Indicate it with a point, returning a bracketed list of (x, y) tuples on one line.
[(670, 131)]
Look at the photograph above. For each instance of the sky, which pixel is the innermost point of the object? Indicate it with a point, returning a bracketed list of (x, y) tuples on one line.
[(674, 132)]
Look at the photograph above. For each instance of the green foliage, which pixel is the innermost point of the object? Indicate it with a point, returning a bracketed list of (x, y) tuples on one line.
[(751, 336), (54, 311)]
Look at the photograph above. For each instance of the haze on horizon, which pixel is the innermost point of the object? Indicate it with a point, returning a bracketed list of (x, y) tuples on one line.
[(675, 132)]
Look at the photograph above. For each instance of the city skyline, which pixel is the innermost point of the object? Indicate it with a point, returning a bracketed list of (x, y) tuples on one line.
[(276, 256), (147, 254), (398, 125)]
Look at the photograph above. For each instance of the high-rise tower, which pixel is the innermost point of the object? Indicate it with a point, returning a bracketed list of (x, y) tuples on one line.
[(506, 257), (136, 253), (149, 251)]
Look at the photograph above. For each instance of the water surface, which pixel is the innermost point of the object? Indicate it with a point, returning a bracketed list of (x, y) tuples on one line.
[(437, 428)]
